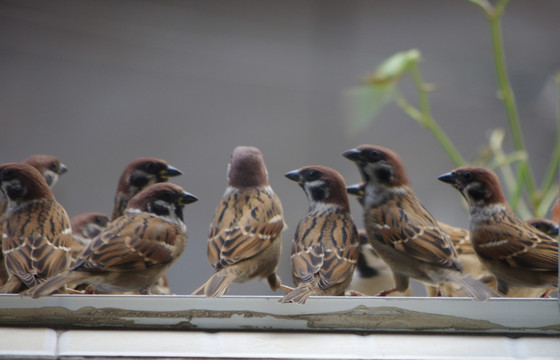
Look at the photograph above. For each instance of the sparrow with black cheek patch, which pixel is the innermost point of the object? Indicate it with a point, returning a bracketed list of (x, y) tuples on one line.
[(134, 251), (461, 242), (85, 227), (51, 168), (245, 235), (401, 230), (515, 252), (325, 247), (137, 175), (547, 226), (36, 233)]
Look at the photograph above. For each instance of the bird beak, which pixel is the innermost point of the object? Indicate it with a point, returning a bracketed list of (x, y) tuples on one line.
[(171, 172), (448, 178), (63, 169), (187, 198), (355, 190), (353, 154), (294, 176)]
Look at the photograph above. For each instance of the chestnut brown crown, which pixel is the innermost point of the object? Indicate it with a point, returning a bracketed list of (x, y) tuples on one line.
[(247, 168), (21, 182), (480, 186), (378, 165)]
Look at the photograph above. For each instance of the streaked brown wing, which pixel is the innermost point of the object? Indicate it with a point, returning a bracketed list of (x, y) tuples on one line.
[(132, 242), (459, 237), (326, 244), (245, 224), (410, 229), (36, 253), (515, 244)]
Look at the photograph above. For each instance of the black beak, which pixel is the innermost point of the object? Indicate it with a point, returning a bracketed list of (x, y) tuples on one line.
[(188, 198), (356, 190), (448, 178), (170, 171), (353, 154), (63, 169), (294, 176)]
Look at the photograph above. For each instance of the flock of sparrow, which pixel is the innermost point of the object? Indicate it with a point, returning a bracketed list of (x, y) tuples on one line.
[(43, 251)]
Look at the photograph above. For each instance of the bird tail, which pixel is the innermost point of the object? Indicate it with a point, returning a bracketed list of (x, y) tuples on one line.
[(218, 284), (299, 295), (56, 282), (476, 288)]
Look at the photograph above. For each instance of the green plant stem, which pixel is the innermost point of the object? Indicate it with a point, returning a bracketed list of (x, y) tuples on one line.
[(426, 118), (552, 169)]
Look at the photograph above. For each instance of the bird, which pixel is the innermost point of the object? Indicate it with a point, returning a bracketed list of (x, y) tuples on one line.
[(547, 226), (85, 227), (133, 251), (516, 253), (371, 274), (402, 231), (325, 247), (245, 236), (51, 168), (36, 235), (137, 175)]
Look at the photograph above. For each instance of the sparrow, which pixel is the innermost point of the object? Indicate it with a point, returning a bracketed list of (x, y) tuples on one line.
[(85, 227), (371, 274), (133, 251), (401, 230), (36, 233), (325, 247), (245, 236), (516, 253), (51, 168), (461, 242), (137, 175), (547, 226)]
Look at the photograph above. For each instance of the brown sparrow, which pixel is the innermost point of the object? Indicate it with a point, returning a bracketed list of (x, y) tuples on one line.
[(139, 174), (36, 233), (245, 235), (547, 226), (85, 227), (325, 247), (401, 230), (515, 252), (51, 168), (134, 251)]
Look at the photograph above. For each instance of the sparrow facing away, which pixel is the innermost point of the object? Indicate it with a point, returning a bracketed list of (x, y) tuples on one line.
[(547, 226), (85, 227), (325, 247), (50, 167), (36, 235), (245, 236), (401, 230), (134, 251), (515, 252), (137, 175)]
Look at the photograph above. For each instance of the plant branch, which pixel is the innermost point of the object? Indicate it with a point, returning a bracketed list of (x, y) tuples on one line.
[(426, 118), (552, 169)]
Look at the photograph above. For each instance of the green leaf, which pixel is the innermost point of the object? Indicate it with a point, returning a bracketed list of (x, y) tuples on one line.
[(363, 103), (394, 67)]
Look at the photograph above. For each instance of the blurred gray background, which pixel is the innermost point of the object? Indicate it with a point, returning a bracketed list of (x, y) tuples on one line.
[(100, 83)]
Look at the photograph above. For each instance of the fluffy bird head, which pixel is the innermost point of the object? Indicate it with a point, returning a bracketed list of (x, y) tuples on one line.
[(165, 200), (21, 183), (479, 186), (378, 165), (322, 185), (247, 169), (49, 166)]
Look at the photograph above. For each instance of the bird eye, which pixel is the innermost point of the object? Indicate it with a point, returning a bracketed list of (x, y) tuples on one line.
[(98, 220), (312, 175), (53, 166), (168, 197), (467, 175), (374, 155), (7, 174), (150, 167)]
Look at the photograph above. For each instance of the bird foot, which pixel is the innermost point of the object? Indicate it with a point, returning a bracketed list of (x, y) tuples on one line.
[(387, 292), (353, 293)]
